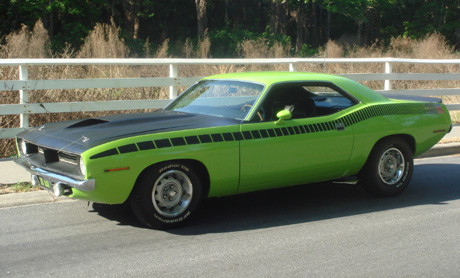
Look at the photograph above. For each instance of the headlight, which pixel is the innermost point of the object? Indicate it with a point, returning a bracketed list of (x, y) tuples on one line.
[(82, 167), (23, 147)]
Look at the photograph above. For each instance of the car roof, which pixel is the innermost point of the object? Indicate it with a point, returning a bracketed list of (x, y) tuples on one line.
[(270, 77), (361, 92)]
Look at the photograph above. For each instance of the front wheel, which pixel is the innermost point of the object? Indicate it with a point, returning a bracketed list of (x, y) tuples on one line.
[(167, 195), (388, 169)]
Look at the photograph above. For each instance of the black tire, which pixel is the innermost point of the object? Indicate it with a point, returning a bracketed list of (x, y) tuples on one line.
[(167, 195), (388, 169)]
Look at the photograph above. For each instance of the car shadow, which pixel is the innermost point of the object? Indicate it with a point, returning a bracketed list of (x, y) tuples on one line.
[(122, 214), (435, 184)]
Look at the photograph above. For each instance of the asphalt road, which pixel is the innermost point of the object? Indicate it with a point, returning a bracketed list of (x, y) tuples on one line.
[(324, 230)]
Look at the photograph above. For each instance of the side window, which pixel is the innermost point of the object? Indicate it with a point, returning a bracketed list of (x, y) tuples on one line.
[(328, 100), (304, 100)]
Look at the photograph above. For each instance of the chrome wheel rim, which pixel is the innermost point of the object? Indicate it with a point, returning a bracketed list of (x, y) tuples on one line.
[(391, 166), (172, 193)]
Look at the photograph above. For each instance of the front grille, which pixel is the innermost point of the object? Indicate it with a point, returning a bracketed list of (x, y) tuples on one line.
[(51, 155), (52, 159), (68, 158)]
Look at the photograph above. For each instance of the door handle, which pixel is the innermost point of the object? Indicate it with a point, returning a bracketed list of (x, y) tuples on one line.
[(339, 126)]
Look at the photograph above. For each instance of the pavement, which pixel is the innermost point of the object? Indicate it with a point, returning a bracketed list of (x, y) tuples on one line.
[(11, 173)]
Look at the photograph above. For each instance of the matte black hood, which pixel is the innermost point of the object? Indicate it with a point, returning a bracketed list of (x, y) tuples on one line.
[(80, 135)]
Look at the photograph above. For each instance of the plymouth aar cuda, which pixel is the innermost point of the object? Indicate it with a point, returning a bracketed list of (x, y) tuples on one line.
[(235, 133)]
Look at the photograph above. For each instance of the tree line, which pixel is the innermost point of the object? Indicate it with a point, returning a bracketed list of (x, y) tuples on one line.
[(305, 25)]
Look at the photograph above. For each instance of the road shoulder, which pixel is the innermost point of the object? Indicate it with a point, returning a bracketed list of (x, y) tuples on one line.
[(29, 198)]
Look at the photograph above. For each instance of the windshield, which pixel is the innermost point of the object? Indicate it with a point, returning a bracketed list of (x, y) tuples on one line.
[(221, 98)]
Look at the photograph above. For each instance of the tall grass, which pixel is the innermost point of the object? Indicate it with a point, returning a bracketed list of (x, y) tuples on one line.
[(104, 42)]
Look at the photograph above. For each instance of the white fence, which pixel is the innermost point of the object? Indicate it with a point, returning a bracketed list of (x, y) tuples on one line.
[(24, 85)]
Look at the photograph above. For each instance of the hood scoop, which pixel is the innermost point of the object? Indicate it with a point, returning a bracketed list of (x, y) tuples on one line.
[(88, 122)]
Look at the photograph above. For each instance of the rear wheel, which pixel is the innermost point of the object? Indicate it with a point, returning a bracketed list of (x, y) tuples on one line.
[(388, 169), (167, 195)]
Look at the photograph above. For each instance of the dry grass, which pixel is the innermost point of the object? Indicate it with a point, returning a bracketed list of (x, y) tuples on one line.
[(18, 188), (104, 42), (431, 47), (26, 43)]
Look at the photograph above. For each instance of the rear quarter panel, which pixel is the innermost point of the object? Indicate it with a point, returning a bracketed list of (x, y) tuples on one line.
[(395, 118)]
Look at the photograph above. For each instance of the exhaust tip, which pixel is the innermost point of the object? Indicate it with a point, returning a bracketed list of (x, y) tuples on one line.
[(61, 189)]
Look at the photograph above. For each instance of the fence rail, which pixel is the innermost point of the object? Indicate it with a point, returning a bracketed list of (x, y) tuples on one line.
[(24, 85)]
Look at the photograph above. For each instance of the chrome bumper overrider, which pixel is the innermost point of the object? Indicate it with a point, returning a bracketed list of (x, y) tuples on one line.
[(57, 181)]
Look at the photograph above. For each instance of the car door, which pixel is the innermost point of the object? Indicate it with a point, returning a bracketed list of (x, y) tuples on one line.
[(313, 146)]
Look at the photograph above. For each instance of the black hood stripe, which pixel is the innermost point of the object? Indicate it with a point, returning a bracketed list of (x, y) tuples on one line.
[(99, 131)]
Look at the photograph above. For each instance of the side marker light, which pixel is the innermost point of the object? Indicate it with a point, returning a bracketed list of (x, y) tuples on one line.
[(116, 169), (438, 131)]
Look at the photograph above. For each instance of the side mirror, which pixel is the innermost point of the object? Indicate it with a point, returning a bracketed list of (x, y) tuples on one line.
[(282, 116)]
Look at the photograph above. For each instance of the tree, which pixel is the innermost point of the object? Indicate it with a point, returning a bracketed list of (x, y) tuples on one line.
[(202, 20), (279, 16), (354, 9), (300, 18)]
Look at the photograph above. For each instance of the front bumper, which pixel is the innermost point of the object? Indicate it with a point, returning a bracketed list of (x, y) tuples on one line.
[(56, 182)]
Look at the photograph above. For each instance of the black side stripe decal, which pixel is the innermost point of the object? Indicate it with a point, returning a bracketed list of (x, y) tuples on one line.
[(105, 153), (345, 121)]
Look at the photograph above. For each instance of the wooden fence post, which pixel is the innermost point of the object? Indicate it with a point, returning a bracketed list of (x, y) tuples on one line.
[(24, 95)]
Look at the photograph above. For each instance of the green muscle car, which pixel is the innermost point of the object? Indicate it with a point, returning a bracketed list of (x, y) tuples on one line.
[(236, 133)]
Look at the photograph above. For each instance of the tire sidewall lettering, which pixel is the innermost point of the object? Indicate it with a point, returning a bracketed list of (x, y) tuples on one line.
[(406, 172), (173, 166), (175, 220)]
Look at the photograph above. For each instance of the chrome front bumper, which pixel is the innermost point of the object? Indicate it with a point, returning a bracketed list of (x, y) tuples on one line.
[(57, 182)]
